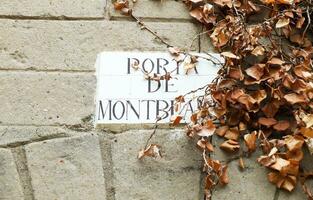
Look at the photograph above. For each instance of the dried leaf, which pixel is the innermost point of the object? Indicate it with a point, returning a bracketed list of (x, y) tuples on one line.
[(289, 183), (294, 98), (268, 122), (282, 125), (308, 120), (275, 61), (256, 71), (307, 132), (135, 65), (205, 145), (309, 143), (296, 155), (229, 55), (176, 120), (294, 142), (284, 21), (241, 163), (223, 176), (250, 141), (258, 51), (126, 11), (230, 146), (120, 4), (175, 51), (266, 160), (205, 132), (279, 164), (300, 22), (153, 150), (221, 131), (232, 133)]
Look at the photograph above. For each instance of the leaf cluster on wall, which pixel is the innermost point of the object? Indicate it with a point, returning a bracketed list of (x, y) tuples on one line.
[(262, 98)]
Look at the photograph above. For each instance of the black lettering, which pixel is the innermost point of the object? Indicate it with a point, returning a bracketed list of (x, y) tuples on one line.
[(189, 108), (161, 66), (144, 66), (148, 107), (150, 85), (114, 110), (158, 109), (129, 65), (104, 113), (172, 107), (177, 68), (128, 103), (167, 84)]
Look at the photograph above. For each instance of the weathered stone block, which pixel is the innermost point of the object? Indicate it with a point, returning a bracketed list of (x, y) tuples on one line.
[(175, 176), (69, 168), (10, 187), (18, 135), (205, 42), (153, 9), (46, 98), (73, 45), (48, 8)]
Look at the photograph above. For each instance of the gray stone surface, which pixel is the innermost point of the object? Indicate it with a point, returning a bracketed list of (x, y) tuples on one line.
[(73, 45), (68, 8), (46, 98), (247, 184), (176, 176), (154, 9), (69, 168), (19, 135), (205, 42), (10, 187)]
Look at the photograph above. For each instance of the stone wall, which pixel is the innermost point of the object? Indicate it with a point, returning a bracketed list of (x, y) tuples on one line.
[(48, 147)]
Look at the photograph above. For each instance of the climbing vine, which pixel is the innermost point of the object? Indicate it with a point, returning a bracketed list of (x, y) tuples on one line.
[(262, 97)]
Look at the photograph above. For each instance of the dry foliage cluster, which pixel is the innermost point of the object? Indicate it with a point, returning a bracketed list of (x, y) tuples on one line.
[(263, 95)]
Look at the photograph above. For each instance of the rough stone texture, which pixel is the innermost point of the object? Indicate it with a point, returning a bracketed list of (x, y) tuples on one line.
[(18, 135), (45, 98), (10, 187), (69, 168), (152, 9), (175, 176), (47, 8), (247, 184), (73, 45)]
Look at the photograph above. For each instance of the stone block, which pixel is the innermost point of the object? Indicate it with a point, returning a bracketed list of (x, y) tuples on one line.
[(39, 98), (18, 135), (156, 10), (48, 8), (10, 187), (74, 45), (175, 176), (69, 168)]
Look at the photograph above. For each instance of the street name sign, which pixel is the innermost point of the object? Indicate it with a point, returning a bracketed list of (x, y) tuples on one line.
[(135, 87)]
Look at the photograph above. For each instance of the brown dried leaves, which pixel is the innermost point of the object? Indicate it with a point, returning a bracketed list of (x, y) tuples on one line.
[(263, 91), (271, 96)]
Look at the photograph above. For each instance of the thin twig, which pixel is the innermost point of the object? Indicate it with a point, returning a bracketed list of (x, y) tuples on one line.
[(143, 26)]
